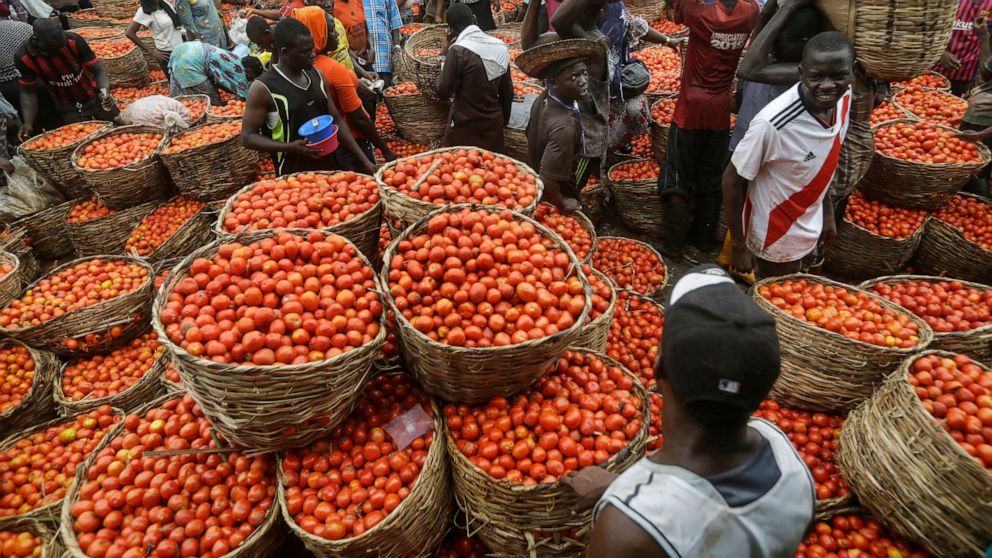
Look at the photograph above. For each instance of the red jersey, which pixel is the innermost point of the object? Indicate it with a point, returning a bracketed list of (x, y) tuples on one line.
[(964, 43), (716, 39)]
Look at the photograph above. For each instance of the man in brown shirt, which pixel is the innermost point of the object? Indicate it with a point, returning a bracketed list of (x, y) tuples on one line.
[(475, 75)]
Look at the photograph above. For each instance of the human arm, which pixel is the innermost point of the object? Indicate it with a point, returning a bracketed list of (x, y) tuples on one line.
[(505, 92), (751, 154), (829, 232), (529, 31), (29, 97), (734, 191), (589, 485), (273, 15), (450, 77), (981, 27), (256, 109), (348, 141), (757, 64), (185, 14), (566, 19), (615, 535), (438, 11), (132, 33), (976, 135)]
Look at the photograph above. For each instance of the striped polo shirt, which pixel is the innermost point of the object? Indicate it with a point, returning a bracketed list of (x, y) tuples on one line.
[(964, 42), (66, 74)]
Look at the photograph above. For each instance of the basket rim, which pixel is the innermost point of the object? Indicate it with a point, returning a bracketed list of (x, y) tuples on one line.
[(926, 334), (431, 29), (73, 145), (652, 294), (189, 222), (192, 151), (149, 280), (151, 375), (632, 160), (928, 72), (951, 228), (389, 253), (10, 258), (586, 224), (150, 160), (869, 285), (983, 151), (875, 236), (664, 97)]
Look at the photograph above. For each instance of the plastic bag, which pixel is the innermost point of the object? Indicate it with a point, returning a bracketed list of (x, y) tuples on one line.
[(37, 8), (409, 426), (237, 32), (27, 192), (157, 110)]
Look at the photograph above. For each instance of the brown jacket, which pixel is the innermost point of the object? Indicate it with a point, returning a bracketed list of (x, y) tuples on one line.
[(480, 108)]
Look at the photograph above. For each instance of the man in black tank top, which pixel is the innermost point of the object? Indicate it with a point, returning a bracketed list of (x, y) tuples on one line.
[(284, 98)]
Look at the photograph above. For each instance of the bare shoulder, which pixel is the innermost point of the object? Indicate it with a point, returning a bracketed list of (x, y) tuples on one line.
[(617, 536)]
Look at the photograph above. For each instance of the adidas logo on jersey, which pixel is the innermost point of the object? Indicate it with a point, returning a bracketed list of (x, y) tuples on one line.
[(809, 157)]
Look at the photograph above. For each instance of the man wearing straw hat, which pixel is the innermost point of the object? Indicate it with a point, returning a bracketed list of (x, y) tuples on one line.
[(555, 129)]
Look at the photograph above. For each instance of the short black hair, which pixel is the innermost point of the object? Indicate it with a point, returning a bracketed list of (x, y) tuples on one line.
[(256, 25), (47, 29), (458, 17), (716, 416), (829, 41), (254, 64), (287, 32)]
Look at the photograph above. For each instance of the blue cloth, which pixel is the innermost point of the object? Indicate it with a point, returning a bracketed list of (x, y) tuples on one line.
[(614, 26), (194, 62), (201, 17), (382, 17)]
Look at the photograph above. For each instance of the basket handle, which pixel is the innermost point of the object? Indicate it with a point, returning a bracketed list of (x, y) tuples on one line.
[(423, 178)]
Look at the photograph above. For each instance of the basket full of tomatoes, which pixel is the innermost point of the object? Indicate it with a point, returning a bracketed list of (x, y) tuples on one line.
[(874, 238), (48, 230), (50, 154), (123, 60), (121, 165), (959, 312), (838, 342), (920, 165), (417, 118), (634, 190), (422, 58), (848, 535), (919, 453), (379, 485), (291, 317), (662, 116), (510, 454), (927, 80), (31, 539), (575, 228), (484, 301), (93, 228), (10, 277), (957, 240), (604, 301), (631, 264), (174, 229), (192, 157), (26, 390)]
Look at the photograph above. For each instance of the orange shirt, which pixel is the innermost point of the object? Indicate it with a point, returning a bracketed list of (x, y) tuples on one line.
[(342, 86), (352, 16)]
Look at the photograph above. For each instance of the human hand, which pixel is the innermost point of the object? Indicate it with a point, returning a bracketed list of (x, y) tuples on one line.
[(741, 259), (160, 56), (300, 147), (106, 101), (589, 485), (970, 135), (829, 232), (950, 61), (25, 132), (388, 154)]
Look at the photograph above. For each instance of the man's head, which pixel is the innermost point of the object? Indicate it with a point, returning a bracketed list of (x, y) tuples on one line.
[(719, 351), (294, 43), (827, 69), (459, 16), (570, 79), (593, 14), (48, 35), (259, 32), (805, 23)]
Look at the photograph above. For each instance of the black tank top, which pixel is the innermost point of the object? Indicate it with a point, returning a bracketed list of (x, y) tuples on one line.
[(294, 106)]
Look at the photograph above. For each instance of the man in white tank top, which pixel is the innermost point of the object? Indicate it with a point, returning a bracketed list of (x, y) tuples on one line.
[(724, 485)]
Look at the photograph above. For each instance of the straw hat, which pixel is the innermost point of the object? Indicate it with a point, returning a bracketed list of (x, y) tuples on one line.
[(538, 62)]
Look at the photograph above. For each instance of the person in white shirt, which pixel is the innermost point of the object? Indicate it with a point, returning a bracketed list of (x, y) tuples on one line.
[(159, 17), (723, 484), (775, 191)]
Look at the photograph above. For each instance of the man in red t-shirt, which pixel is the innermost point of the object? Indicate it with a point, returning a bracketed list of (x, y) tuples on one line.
[(700, 134)]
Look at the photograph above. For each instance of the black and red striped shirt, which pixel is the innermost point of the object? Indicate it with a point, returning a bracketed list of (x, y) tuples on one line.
[(66, 74)]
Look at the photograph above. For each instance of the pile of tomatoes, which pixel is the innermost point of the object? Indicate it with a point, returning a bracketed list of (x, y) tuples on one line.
[(665, 65), (234, 107), (192, 504), (816, 437), (928, 80), (105, 375), (134, 93), (971, 216), (156, 75), (94, 33), (567, 227), (636, 170), (851, 313), (579, 414), (850, 536), (89, 341), (346, 485), (312, 200), (23, 544), (642, 147), (656, 438), (885, 112), (924, 142), (62, 137), (118, 150), (958, 393), (5, 268), (402, 88), (17, 370), (465, 175), (933, 106), (663, 112), (630, 264), (88, 210), (77, 286), (668, 27), (38, 469), (112, 48), (481, 279), (203, 135), (196, 107), (266, 169), (384, 121), (402, 148), (881, 219), (946, 306), (522, 88), (635, 335), (283, 300), (161, 224), (172, 374)]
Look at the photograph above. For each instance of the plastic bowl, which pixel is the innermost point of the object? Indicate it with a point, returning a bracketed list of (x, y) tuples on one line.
[(317, 129), (327, 145)]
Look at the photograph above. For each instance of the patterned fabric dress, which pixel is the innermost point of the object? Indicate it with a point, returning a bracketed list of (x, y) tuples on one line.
[(201, 16), (198, 68)]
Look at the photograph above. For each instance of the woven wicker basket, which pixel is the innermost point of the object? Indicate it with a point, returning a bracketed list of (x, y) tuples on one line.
[(917, 185), (96, 32), (515, 143), (595, 200), (146, 39), (894, 41), (415, 528), (509, 33), (976, 343), (362, 231), (637, 201), (657, 293), (94, 318), (650, 10), (48, 232), (196, 174), (14, 240), (408, 210), (114, 9), (944, 250), (121, 187), (595, 333), (424, 71), (48, 512), (858, 253), (106, 234), (56, 165), (146, 389), (659, 134), (906, 468), (823, 370), (206, 109), (474, 375), (37, 405), (47, 530), (504, 514), (10, 283), (268, 408), (418, 119), (856, 154), (195, 232), (946, 87), (127, 70), (76, 22)]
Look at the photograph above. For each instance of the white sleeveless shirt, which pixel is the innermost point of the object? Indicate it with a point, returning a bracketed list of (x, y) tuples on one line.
[(689, 517)]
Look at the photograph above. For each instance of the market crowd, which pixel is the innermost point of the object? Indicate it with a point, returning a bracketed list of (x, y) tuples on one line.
[(724, 484)]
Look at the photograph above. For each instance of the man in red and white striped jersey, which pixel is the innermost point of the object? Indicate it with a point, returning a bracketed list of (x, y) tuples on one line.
[(775, 191), (959, 63)]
